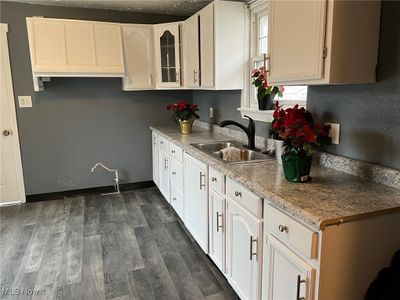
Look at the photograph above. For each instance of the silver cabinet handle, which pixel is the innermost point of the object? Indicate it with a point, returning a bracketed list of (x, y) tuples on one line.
[(218, 225), (173, 173), (165, 163), (283, 228), (173, 151), (238, 194), (213, 179), (202, 183), (174, 198), (299, 281), (155, 141), (251, 247), (194, 76)]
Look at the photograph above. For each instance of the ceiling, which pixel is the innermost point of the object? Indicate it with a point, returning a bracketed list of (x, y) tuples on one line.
[(169, 7)]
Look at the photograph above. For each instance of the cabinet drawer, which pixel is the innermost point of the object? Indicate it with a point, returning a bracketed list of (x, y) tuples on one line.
[(176, 174), (177, 201), (163, 143), (176, 152), (291, 232), (243, 196), (217, 181)]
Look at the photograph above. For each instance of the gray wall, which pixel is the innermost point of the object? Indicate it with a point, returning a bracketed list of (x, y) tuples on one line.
[(369, 114), (225, 104), (76, 122)]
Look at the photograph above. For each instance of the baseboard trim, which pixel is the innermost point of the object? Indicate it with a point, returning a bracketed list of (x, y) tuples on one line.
[(89, 191)]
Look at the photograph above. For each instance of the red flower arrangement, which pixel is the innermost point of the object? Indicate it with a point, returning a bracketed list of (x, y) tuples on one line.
[(261, 83), (296, 127), (183, 111)]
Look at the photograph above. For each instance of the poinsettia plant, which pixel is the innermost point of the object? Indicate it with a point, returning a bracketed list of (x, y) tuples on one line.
[(260, 81), (297, 128), (183, 111)]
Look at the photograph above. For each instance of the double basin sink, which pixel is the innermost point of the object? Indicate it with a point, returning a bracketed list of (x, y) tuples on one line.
[(215, 149)]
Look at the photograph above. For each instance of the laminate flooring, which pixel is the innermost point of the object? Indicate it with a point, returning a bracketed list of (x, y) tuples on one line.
[(127, 246)]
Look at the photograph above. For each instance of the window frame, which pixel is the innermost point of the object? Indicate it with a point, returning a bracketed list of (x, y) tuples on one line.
[(255, 11)]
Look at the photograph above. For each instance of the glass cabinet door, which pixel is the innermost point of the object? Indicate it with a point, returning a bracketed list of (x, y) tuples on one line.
[(168, 59)]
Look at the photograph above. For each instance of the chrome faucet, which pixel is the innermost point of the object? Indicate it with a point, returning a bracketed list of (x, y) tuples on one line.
[(250, 130)]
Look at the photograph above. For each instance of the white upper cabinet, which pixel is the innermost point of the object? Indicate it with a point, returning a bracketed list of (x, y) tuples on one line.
[(61, 47), (214, 47), (139, 57), (167, 55), (321, 42)]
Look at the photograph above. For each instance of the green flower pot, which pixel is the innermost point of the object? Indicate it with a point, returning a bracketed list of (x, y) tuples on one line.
[(296, 169)]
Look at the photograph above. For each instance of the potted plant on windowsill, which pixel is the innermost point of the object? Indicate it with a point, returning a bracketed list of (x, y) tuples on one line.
[(265, 93), (300, 135), (184, 114)]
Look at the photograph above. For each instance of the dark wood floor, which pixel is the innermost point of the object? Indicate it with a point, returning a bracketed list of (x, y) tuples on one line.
[(128, 246)]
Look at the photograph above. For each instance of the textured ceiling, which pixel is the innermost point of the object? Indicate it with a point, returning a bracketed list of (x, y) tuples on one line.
[(169, 7)]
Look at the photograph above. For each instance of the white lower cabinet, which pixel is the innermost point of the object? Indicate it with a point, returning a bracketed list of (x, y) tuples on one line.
[(164, 173), (286, 274), (196, 200), (217, 229), (243, 257)]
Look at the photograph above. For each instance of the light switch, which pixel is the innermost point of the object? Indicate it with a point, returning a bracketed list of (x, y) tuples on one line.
[(25, 101), (334, 133)]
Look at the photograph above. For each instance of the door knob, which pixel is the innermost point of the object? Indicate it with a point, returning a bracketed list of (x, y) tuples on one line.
[(6, 132)]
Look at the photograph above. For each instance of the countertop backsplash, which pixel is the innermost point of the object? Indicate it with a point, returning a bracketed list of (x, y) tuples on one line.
[(363, 169)]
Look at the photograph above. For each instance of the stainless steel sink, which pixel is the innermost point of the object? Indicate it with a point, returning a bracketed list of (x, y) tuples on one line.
[(246, 155)]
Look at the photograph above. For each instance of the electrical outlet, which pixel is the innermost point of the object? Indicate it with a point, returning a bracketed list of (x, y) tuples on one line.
[(334, 133), (211, 112), (25, 101)]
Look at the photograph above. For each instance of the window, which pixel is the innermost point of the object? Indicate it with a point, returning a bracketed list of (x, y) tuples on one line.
[(258, 56)]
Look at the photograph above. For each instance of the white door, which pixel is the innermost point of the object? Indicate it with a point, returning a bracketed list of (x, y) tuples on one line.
[(139, 57), (297, 37), (217, 229), (286, 276), (196, 200), (155, 150), (243, 257), (167, 55), (163, 164), (11, 179), (190, 30), (207, 46)]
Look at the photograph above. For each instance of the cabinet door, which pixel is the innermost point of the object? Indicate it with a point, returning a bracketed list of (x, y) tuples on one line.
[(196, 200), (243, 257), (190, 29), (297, 36), (167, 51), (47, 43), (108, 43), (217, 229), (207, 46), (155, 154), (164, 173), (286, 276), (139, 57), (79, 43)]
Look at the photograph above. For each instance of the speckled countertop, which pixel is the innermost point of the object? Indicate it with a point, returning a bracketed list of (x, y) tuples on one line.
[(331, 197)]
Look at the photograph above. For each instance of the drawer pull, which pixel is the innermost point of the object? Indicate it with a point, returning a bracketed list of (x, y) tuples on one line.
[(174, 198), (251, 247), (218, 226), (165, 163), (299, 281), (238, 194), (173, 151), (213, 179), (173, 173), (283, 228), (161, 142)]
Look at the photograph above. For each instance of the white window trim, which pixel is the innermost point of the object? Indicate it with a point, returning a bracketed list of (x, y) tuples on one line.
[(256, 8)]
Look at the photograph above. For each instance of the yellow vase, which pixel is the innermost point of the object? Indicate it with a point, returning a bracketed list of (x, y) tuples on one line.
[(186, 125)]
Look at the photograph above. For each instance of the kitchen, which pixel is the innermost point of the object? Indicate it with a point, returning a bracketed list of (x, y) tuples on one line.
[(69, 240)]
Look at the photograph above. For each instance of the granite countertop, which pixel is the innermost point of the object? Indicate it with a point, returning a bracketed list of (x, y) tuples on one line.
[(331, 197)]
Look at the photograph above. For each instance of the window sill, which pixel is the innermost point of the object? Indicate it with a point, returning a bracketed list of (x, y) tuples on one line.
[(257, 115)]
